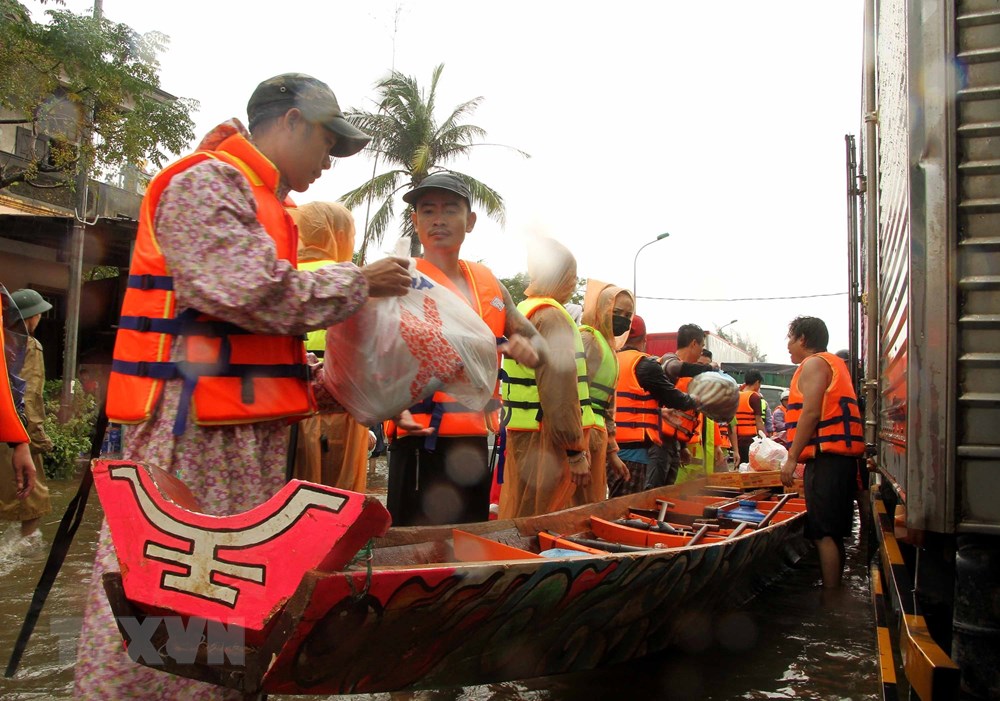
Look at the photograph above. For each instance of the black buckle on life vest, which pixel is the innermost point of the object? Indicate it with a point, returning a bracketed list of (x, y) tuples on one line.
[(148, 281)]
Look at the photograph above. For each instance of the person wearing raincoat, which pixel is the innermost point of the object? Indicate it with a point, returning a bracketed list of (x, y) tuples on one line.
[(547, 409), (607, 315), (216, 246), (27, 513), (13, 344), (331, 448)]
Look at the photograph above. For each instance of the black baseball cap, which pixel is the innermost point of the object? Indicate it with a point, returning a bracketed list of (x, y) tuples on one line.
[(440, 181), (318, 104)]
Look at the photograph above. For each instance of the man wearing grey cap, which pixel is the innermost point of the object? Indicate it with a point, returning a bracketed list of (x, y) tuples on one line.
[(209, 365), (438, 465)]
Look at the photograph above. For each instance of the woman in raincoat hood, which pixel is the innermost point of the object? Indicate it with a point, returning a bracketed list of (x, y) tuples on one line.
[(331, 449), (602, 304), (546, 464)]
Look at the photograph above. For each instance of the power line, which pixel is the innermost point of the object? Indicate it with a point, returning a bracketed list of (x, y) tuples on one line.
[(738, 299)]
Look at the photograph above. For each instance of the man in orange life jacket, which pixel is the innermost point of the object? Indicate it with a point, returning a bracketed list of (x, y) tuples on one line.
[(13, 340), (642, 390), (209, 365), (825, 430), (749, 414), (679, 366), (438, 464)]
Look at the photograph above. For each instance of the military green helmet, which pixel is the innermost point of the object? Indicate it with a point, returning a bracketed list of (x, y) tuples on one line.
[(30, 303)]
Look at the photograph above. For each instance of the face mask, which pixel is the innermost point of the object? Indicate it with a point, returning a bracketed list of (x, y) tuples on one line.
[(620, 324)]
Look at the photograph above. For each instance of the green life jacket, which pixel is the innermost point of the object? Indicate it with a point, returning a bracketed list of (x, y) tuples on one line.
[(316, 340), (602, 386), (702, 455), (521, 404)]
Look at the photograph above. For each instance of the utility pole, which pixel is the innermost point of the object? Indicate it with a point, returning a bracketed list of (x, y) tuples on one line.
[(76, 252)]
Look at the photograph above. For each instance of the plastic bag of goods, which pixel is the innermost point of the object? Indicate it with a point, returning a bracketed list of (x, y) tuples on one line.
[(397, 351), (766, 454), (717, 394)]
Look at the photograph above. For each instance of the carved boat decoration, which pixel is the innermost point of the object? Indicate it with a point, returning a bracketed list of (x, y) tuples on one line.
[(428, 607)]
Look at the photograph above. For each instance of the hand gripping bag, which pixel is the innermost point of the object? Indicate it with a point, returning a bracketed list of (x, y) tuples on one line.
[(766, 454), (396, 351)]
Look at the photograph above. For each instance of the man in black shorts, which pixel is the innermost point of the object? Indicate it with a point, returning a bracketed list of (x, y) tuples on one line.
[(825, 430)]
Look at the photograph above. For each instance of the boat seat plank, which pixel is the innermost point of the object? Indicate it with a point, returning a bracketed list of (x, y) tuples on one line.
[(474, 548)]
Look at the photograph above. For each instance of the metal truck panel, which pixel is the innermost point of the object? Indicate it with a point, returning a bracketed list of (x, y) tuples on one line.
[(893, 193), (977, 265), (938, 218)]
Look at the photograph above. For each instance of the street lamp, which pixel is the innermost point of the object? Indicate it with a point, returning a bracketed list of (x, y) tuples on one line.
[(635, 261), (719, 330)]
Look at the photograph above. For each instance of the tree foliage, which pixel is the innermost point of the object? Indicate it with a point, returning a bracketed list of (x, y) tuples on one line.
[(70, 436), (75, 75), (516, 286), (408, 139), (745, 343)]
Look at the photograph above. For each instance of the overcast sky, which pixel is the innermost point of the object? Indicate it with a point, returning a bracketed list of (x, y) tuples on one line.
[(722, 124)]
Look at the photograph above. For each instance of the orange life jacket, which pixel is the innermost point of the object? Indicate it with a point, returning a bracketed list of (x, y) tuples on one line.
[(637, 413), (746, 420), (840, 430), (11, 428), (724, 439), (688, 419), (441, 410), (230, 375)]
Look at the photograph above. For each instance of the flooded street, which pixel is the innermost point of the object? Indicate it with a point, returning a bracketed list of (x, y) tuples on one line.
[(789, 642)]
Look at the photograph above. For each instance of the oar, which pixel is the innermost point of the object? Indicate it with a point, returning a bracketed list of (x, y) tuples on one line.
[(696, 538), (776, 508), (738, 530), (563, 542), (604, 545), (60, 546), (664, 506)]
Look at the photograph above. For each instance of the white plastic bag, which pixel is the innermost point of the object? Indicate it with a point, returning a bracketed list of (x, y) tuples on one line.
[(396, 351), (766, 454)]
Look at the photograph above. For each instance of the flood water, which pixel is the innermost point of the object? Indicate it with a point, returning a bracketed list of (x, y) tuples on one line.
[(790, 642)]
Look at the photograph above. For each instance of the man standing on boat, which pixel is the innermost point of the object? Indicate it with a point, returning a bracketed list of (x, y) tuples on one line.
[(825, 431), (679, 366), (642, 390), (750, 414), (438, 459), (209, 365)]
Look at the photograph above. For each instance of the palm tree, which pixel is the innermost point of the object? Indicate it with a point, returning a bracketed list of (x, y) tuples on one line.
[(407, 138)]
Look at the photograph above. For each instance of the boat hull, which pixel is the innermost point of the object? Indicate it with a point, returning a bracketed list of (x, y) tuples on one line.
[(427, 624), (478, 623)]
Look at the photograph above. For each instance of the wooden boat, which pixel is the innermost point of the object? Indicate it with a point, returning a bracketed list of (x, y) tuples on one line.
[(425, 607)]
